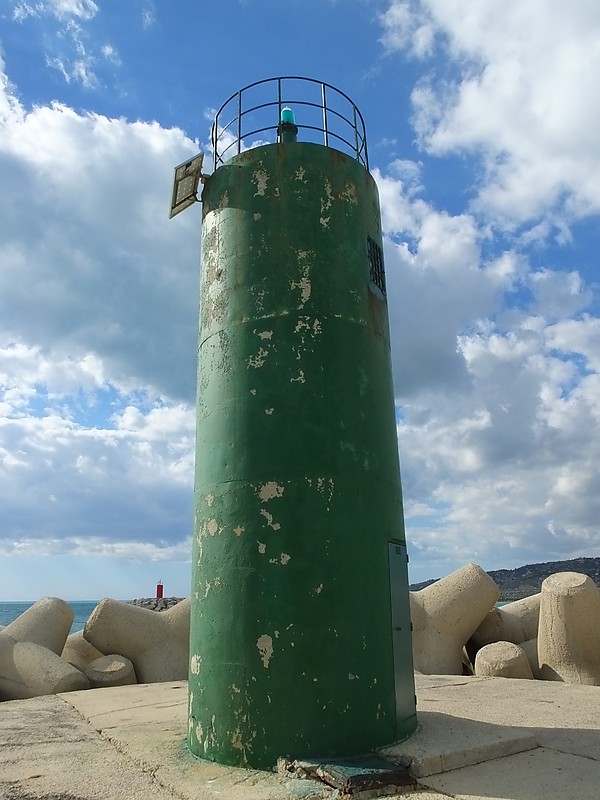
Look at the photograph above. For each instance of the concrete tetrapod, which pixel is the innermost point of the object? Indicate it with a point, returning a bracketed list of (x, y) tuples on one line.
[(46, 623), (530, 648), (502, 660), (28, 670), (157, 643), (78, 651), (110, 671), (444, 616), (515, 622), (569, 631)]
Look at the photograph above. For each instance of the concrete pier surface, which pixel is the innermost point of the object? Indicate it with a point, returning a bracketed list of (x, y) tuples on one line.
[(492, 738)]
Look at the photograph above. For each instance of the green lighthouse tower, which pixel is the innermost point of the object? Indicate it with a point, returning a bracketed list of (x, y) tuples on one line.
[(300, 630)]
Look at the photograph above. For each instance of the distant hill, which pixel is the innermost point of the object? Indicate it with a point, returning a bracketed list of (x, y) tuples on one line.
[(521, 582)]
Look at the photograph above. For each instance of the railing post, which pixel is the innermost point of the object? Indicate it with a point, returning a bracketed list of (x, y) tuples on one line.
[(324, 103), (239, 121)]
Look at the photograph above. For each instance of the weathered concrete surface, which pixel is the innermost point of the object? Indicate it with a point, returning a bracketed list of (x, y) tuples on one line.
[(502, 660), (78, 651), (445, 615), (113, 670), (569, 630), (27, 670), (47, 750), (148, 724), (562, 720), (46, 623), (562, 717), (533, 740), (147, 704), (157, 644), (515, 622), (442, 743), (536, 775)]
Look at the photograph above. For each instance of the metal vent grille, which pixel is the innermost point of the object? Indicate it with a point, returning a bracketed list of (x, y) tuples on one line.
[(376, 270)]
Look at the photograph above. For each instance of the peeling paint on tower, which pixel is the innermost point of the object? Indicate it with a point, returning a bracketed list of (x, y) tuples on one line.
[(264, 644), (297, 486)]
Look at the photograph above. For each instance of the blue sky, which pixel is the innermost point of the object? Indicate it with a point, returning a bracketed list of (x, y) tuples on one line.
[(482, 123)]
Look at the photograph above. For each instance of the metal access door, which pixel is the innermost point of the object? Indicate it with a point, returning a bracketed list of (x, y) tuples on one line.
[(401, 632)]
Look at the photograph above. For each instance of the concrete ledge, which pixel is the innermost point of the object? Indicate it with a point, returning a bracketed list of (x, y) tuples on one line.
[(117, 707), (536, 775), (560, 716), (444, 742)]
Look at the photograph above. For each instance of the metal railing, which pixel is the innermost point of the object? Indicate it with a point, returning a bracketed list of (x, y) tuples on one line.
[(323, 114)]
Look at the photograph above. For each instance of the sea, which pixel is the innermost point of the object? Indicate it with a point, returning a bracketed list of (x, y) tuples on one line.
[(81, 612)]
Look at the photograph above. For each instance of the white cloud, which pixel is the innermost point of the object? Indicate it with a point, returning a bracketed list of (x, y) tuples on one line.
[(87, 252), (62, 9), (78, 71), (126, 479), (496, 369), (497, 363), (577, 336), (559, 294), (523, 97), (438, 284), (23, 368), (68, 50), (83, 9), (148, 17), (110, 54), (407, 26), (97, 335), (97, 547), (63, 481), (23, 10), (510, 461)]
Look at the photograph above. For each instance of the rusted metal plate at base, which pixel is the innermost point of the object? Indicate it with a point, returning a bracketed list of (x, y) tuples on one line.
[(353, 775)]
